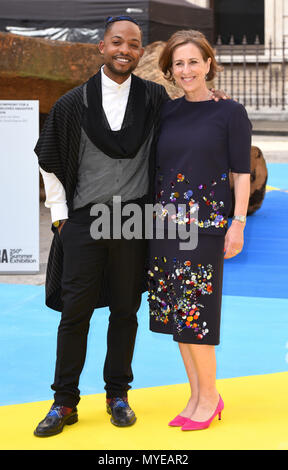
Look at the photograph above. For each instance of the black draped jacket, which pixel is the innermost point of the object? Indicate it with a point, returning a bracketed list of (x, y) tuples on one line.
[(57, 150)]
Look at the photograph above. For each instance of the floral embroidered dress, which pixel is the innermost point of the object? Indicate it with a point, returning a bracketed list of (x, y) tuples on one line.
[(199, 144)]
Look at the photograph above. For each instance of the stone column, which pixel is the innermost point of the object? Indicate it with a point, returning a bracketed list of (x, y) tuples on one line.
[(274, 23), (285, 20)]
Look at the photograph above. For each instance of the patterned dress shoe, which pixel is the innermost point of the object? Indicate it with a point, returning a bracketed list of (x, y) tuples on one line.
[(55, 421), (120, 411)]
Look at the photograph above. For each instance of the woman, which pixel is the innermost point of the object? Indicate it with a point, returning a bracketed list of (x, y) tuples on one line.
[(200, 141)]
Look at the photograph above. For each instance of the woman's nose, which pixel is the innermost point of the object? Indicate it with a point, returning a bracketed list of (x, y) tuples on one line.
[(186, 68)]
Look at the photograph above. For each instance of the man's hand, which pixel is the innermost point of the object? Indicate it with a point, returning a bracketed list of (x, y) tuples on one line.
[(61, 226), (217, 95)]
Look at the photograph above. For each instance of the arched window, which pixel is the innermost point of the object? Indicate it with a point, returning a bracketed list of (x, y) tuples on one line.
[(238, 18)]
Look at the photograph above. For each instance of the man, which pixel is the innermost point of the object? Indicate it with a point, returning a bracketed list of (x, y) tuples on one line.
[(96, 143)]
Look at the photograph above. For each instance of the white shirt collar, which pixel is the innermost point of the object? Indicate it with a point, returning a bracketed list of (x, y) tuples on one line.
[(108, 83)]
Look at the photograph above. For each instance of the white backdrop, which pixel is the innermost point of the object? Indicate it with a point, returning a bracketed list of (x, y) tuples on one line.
[(19, 187)]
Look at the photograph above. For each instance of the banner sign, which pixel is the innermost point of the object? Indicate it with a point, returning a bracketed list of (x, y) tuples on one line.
[(19, 187)]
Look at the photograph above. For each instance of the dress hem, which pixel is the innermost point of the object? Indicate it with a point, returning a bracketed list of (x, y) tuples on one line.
[(192, 341)]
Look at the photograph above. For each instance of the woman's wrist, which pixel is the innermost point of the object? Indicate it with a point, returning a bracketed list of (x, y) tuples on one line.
[(239, 218), (237, 224)]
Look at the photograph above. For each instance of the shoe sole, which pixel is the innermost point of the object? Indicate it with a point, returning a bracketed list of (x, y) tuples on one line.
[(118, 424), (71, 420), (122, 425)]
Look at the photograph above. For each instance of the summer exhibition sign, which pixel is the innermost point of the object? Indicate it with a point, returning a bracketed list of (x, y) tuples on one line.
[(19, 187)]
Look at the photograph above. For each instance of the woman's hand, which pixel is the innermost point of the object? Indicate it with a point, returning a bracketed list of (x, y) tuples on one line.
[(234, 240)]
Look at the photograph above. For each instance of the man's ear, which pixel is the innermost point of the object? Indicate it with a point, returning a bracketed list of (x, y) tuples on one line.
[(101, 47)]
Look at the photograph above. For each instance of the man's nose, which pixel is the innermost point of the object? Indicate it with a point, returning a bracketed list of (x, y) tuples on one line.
[(124, 49)]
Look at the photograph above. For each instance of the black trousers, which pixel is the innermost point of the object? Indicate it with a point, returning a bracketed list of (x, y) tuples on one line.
[(85, 260)]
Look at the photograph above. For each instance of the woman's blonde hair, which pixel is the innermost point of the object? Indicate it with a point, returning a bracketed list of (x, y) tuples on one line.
[(185, 37)]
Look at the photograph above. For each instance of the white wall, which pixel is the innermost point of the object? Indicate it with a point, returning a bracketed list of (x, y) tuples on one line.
[(200, 3)]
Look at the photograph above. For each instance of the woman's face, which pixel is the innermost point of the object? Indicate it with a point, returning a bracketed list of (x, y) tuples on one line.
[(189, 69)]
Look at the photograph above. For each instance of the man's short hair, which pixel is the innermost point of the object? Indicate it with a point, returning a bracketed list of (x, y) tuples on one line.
[(113, 19)]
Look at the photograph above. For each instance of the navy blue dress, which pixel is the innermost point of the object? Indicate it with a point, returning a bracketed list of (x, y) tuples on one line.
[(199, 144)]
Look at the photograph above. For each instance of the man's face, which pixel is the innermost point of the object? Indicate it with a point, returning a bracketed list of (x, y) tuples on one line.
[(122, 50)]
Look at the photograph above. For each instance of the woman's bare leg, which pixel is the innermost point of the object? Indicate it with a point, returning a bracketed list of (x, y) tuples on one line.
[(192, 377), (204, 360)]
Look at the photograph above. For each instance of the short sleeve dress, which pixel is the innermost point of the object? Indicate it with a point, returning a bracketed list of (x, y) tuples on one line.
[(199, 144)]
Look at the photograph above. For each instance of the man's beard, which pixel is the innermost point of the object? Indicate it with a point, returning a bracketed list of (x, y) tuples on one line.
[(118, 72)]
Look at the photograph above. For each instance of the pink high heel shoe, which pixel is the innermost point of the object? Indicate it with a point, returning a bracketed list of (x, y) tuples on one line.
[(178, 421), (191, 425)]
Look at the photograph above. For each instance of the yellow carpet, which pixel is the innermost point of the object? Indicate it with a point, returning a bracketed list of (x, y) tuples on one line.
[(255, 417)]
